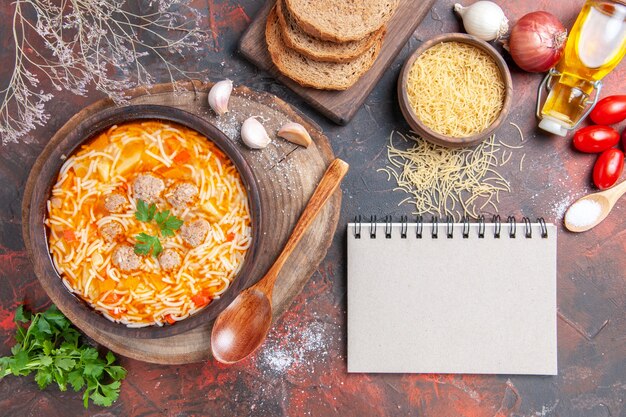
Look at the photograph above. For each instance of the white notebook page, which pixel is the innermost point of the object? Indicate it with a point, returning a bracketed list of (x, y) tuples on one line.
[(452, 305)]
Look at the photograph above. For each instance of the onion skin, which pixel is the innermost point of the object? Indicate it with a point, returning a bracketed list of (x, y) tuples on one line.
[(537, 41)]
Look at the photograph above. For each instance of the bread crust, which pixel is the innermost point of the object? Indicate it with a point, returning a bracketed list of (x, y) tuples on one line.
[(319, 50), (310, 73), (332, 25)]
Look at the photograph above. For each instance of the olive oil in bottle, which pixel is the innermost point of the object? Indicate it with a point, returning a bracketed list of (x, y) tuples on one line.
[(596, 44)]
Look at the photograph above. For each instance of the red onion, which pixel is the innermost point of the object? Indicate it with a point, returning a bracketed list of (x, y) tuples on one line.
[(537, 41)]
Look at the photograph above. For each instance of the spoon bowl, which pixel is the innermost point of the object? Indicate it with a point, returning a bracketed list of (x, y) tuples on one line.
[(605, 199), (253, 310)]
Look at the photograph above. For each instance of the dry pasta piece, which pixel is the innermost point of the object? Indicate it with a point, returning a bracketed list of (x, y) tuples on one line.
[(446, 181), (456, 89)]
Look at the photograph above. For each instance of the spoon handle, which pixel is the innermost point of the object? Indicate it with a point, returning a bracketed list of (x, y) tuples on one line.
[(327, 186), (616, 192)]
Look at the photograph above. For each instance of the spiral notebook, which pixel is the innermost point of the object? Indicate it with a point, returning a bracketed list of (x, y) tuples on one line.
[(443, 297)]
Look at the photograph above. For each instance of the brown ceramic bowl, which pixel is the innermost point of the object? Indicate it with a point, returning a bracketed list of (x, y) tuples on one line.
[(43, 176), (424, 131)]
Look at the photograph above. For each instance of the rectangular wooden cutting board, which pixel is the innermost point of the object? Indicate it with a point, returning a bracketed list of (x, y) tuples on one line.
[(339, 106)]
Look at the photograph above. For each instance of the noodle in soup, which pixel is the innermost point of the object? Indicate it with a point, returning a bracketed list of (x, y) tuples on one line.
[(148, 223)]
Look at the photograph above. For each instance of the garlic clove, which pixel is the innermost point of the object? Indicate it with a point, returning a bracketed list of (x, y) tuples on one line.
[(483, 19), (254, 134), (295, 133), (219, 96)]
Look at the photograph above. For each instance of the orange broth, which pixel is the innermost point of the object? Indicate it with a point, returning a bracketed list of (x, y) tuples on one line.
[(109, 164)]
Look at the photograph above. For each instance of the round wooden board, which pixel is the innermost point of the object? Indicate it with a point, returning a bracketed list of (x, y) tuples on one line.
[(287, 175)]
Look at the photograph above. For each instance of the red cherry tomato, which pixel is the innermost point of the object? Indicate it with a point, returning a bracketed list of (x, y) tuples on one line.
[(609, 110), (608, 168), (594, 139), (624, 140)]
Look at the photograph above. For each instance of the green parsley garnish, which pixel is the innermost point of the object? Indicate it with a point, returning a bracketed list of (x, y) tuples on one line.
[(145, 212), (50, 347), (147, 244), (167, 223)]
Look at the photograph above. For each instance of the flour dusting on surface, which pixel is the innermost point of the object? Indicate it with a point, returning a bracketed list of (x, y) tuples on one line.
[(230, 125), (560, 207), (296, 349)]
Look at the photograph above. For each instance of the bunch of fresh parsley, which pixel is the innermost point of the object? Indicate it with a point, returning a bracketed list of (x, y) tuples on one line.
[(166, 222), (50, 347)]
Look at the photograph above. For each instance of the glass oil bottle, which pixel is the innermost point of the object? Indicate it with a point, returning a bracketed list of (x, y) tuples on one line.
[(596, 44)]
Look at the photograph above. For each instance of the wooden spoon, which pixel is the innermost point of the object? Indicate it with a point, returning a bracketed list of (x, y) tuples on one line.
[(606, 199), (242, 327)]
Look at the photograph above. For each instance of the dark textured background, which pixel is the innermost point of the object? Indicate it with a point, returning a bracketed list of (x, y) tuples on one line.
[(301, 369)]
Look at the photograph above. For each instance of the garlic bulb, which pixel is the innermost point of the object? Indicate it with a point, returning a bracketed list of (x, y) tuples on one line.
[(295, 133), (483, 19), (219, 96), (253, 134)]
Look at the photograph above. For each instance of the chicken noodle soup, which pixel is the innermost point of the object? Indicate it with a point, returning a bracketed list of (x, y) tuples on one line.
[(148, 223)]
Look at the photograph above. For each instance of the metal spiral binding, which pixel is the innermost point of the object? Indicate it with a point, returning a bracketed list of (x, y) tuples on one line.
[(373, 227), (465, 220), (357, 227), (449, 227), (481, 227), (419, 228), (544, 228), (404, 226), (528, 231), (512, 227), (466, 226), (498, 226), (388, 226)]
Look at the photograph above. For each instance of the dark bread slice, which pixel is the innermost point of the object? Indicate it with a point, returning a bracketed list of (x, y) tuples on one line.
[(298, 40), (341, 21), (310, 73)]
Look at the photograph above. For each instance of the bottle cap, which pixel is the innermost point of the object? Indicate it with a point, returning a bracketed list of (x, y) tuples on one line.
[(554, 126)]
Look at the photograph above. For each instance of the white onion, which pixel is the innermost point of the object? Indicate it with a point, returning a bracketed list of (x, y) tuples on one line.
[(483, 19)]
